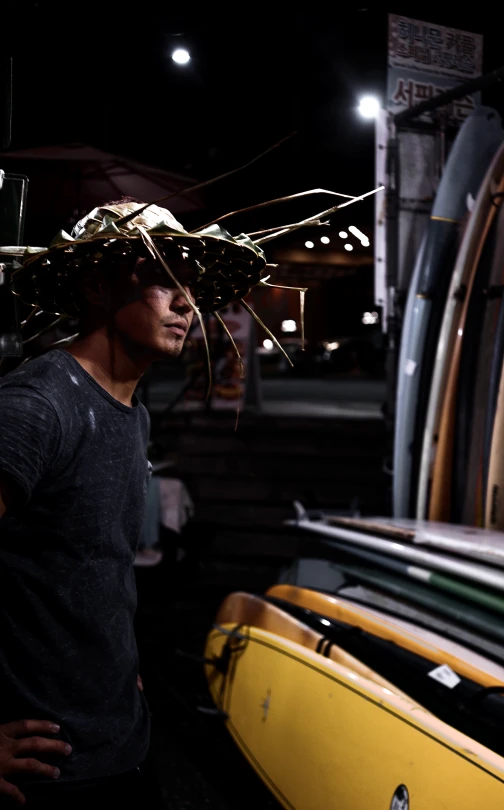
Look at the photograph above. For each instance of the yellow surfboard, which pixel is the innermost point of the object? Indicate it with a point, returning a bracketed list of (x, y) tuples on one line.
[(245, 608), (425, 643), (323, 737)]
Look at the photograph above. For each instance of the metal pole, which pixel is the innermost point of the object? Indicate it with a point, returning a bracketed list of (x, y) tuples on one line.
[(11, 342), (392, 209), (5, 101)]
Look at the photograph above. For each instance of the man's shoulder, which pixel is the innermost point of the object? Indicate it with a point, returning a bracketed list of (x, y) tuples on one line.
[(45, 375)]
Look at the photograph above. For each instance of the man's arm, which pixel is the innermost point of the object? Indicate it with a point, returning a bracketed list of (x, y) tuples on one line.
[(6, 495), (29, 440)]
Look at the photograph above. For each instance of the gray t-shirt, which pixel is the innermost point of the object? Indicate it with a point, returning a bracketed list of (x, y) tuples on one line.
[(78, 461)]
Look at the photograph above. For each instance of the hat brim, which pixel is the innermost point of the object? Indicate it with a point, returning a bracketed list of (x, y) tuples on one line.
[(228, 267)]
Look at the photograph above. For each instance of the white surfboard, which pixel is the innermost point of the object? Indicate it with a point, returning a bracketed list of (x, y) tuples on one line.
[(474, 148), (490, 577), (470, 250), (484, 545)]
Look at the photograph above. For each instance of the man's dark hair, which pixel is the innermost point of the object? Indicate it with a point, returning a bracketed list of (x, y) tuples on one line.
[(124, 200)]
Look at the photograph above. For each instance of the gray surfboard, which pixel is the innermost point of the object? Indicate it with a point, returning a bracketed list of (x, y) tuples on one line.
[(468, 161)]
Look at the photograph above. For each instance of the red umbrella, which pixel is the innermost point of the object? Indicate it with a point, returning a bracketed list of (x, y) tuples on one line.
[(69, 179)]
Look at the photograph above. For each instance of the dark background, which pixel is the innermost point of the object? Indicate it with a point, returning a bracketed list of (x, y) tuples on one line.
[(102, 74)]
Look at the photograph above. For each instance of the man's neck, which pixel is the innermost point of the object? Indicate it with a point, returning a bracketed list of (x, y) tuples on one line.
[(108, 362)]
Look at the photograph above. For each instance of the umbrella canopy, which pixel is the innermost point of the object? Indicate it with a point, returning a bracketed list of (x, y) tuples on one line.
[(70, 179)]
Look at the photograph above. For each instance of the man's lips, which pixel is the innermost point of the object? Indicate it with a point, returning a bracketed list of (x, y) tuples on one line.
[(178, 327)]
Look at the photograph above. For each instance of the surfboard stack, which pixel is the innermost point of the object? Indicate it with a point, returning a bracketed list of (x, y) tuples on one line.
[(448, 464), (373, 675)]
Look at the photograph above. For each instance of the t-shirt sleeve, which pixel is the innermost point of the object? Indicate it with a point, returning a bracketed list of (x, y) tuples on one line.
[(30, 434), (147, 423)]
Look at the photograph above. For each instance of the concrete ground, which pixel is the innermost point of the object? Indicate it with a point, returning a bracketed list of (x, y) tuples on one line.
[(336, 399)]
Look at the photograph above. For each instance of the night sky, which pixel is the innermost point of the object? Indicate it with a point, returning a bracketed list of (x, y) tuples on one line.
[(102, 74)]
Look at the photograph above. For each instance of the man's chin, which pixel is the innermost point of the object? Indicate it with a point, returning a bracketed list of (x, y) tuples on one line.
[(157, 350), (173, 352), (172, 348)]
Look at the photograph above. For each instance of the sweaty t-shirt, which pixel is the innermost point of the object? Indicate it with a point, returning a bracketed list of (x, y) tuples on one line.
[(78, 461)]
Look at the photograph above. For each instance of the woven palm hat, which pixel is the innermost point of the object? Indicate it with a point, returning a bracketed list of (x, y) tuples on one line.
[(227, 267)]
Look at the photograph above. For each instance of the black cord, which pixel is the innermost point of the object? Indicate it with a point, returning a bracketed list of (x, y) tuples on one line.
[(484, 692), (228, 653)]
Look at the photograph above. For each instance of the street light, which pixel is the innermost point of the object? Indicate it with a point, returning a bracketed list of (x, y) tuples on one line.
[(364, 240), (325, 240), (181, 56), (289, 326), (369, 107), (370, 318), (356, 232), (309, 244)]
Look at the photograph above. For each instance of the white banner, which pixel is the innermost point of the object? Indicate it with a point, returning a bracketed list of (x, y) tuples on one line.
[(425, 60), (434, 49), (407, 88)]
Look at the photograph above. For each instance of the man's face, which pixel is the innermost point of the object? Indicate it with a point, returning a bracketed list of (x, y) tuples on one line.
[(151, 315)]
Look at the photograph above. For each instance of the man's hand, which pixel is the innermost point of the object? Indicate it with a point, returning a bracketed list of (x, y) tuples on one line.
[(16, 741), (139, 683)]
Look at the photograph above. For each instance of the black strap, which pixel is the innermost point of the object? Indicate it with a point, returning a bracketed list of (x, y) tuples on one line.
[(484, 692)]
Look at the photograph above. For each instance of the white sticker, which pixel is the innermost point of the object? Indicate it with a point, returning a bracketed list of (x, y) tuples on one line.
[(410, 367), (445, 675)]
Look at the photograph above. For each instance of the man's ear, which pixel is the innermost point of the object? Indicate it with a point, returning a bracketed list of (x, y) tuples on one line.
[(96, 290)]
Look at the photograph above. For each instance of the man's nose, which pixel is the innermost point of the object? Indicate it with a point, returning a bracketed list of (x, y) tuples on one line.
[(180, 304)]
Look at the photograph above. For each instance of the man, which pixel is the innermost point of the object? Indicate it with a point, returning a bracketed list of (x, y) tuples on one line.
[(73, 479)]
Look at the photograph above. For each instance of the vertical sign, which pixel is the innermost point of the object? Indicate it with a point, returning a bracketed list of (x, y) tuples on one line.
[(423, 61)]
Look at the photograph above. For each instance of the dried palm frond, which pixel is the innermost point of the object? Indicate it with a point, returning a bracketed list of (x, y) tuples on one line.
[(271, 335), (315, 220), (230, 336), (46, 329), (205, 183), (30, 315), (302, 291), (268, 203)]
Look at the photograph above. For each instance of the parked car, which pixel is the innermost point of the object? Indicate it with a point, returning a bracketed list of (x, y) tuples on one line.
[(358, 354)]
